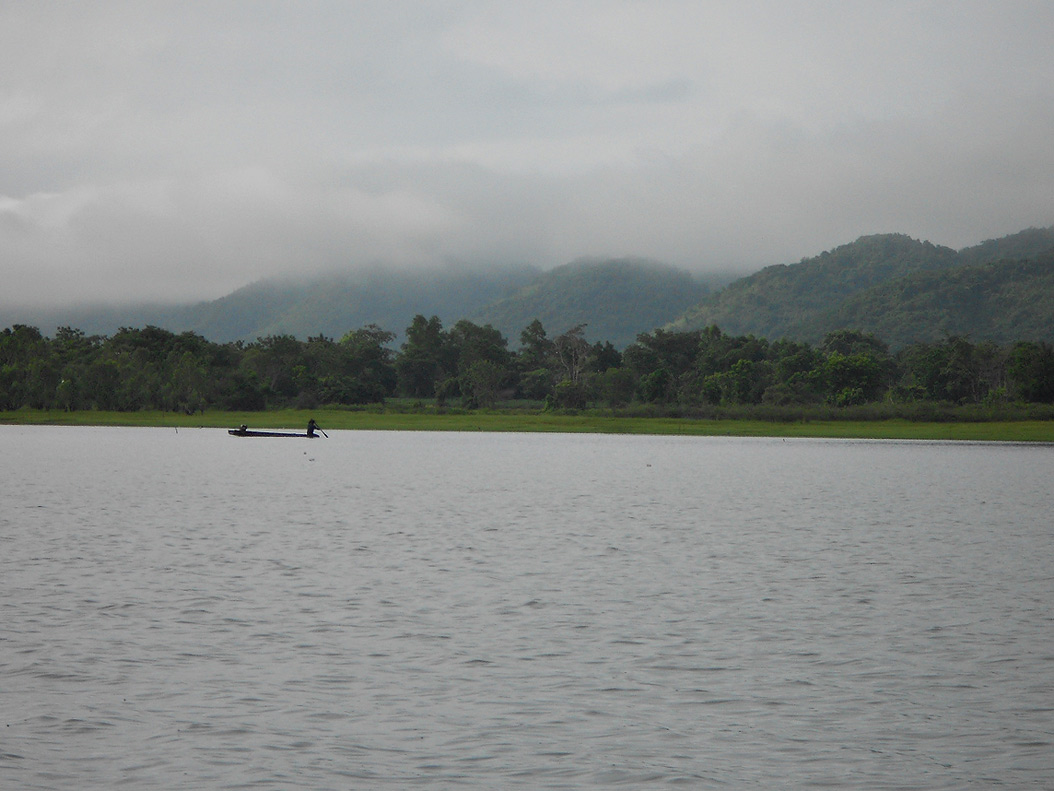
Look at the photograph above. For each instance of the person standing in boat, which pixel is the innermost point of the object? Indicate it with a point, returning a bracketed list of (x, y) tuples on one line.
[(311, 426)]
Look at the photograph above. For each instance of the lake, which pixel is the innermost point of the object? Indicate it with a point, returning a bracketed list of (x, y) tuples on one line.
[(387, 610)]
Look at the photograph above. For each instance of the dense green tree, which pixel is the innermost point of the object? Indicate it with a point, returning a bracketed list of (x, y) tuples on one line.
[(535, 362), (953, 370), (604, 356), (851, 378), (426, 358), (472, 343), (857, 367), (241, 391), (483, 362), (480, 382), (187, 384), (536, 350), (847, 342), (656, 386), (367, 360), (745, 382), (795, 373), (673, 351), (615, 386), (20, 345), (152, 368), (1031, 371), (102, 381), (570, 395)]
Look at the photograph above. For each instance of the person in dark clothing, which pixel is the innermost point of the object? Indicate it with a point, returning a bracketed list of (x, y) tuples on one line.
[(311, 426)]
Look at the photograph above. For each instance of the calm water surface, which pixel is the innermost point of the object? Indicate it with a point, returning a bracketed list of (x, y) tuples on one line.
[(419, 610)]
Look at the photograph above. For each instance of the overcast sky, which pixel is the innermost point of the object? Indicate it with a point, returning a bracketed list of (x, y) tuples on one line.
[(180, 150)]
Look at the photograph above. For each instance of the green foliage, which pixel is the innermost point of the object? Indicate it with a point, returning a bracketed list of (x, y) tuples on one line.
[(1031, 372), (425, 359), (1002, 302), (570, 395), (1031, 243), (902, 290), (693, 372), (773, 301), (480, 382), (656, 386), (535, 347), (615, 386)]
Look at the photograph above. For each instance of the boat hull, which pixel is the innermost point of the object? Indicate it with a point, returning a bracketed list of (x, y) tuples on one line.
[(237, 432)]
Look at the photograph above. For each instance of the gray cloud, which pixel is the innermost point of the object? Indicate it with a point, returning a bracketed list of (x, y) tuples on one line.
[(180, 150)]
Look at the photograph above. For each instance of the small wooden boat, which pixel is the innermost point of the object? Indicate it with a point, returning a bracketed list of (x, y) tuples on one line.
[(244, 432)]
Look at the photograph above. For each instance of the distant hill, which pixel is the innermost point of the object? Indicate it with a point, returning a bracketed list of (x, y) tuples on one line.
[(1027, 244), (870, 284), (770, 302), (335, 304), (616, 299), (899, 288), (330, 305), (1002, 302)]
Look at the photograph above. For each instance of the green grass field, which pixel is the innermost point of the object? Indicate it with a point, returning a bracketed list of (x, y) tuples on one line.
[(336, 419)]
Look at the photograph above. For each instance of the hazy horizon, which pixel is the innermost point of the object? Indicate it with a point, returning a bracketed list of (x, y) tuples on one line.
[(173, 153), (286, 279)]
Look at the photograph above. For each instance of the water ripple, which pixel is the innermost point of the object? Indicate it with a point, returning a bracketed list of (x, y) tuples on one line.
[(486, 611)]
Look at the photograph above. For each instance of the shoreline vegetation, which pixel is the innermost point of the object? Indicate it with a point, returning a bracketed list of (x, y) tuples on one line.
[(954, 424), (702, 382)]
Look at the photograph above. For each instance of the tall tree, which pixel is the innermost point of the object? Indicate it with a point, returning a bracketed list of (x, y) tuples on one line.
[(572, 352), (425, 358)]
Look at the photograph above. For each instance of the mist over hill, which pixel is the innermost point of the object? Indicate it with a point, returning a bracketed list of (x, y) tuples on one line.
[(336, 304), (902, 289), (615, 299), (331, 305)]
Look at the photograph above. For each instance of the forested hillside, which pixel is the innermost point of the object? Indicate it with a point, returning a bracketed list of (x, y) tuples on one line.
[(329, 305), (310, 306), (1028, 244), (772, 301), (902, 289), (1000, 302), (899, 288), (614, 299)]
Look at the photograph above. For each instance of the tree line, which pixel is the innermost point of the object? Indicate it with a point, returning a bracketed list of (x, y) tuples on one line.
[(473, 366)]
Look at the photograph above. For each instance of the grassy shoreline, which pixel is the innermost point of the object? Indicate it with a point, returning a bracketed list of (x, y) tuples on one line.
[(340, 419)]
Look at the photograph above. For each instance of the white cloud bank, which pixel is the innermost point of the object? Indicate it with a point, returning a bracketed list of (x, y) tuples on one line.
[(174, 151)]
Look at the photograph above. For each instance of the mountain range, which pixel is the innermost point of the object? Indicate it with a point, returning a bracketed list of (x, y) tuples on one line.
[(903, 290)]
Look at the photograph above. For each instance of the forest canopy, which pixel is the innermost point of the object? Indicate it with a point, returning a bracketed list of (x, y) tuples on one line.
[(472, 366)]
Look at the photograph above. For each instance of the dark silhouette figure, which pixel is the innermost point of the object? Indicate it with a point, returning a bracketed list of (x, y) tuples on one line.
[(311, 426)]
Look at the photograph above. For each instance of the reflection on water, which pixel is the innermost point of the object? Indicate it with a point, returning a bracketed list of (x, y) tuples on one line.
[(392, 610)]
